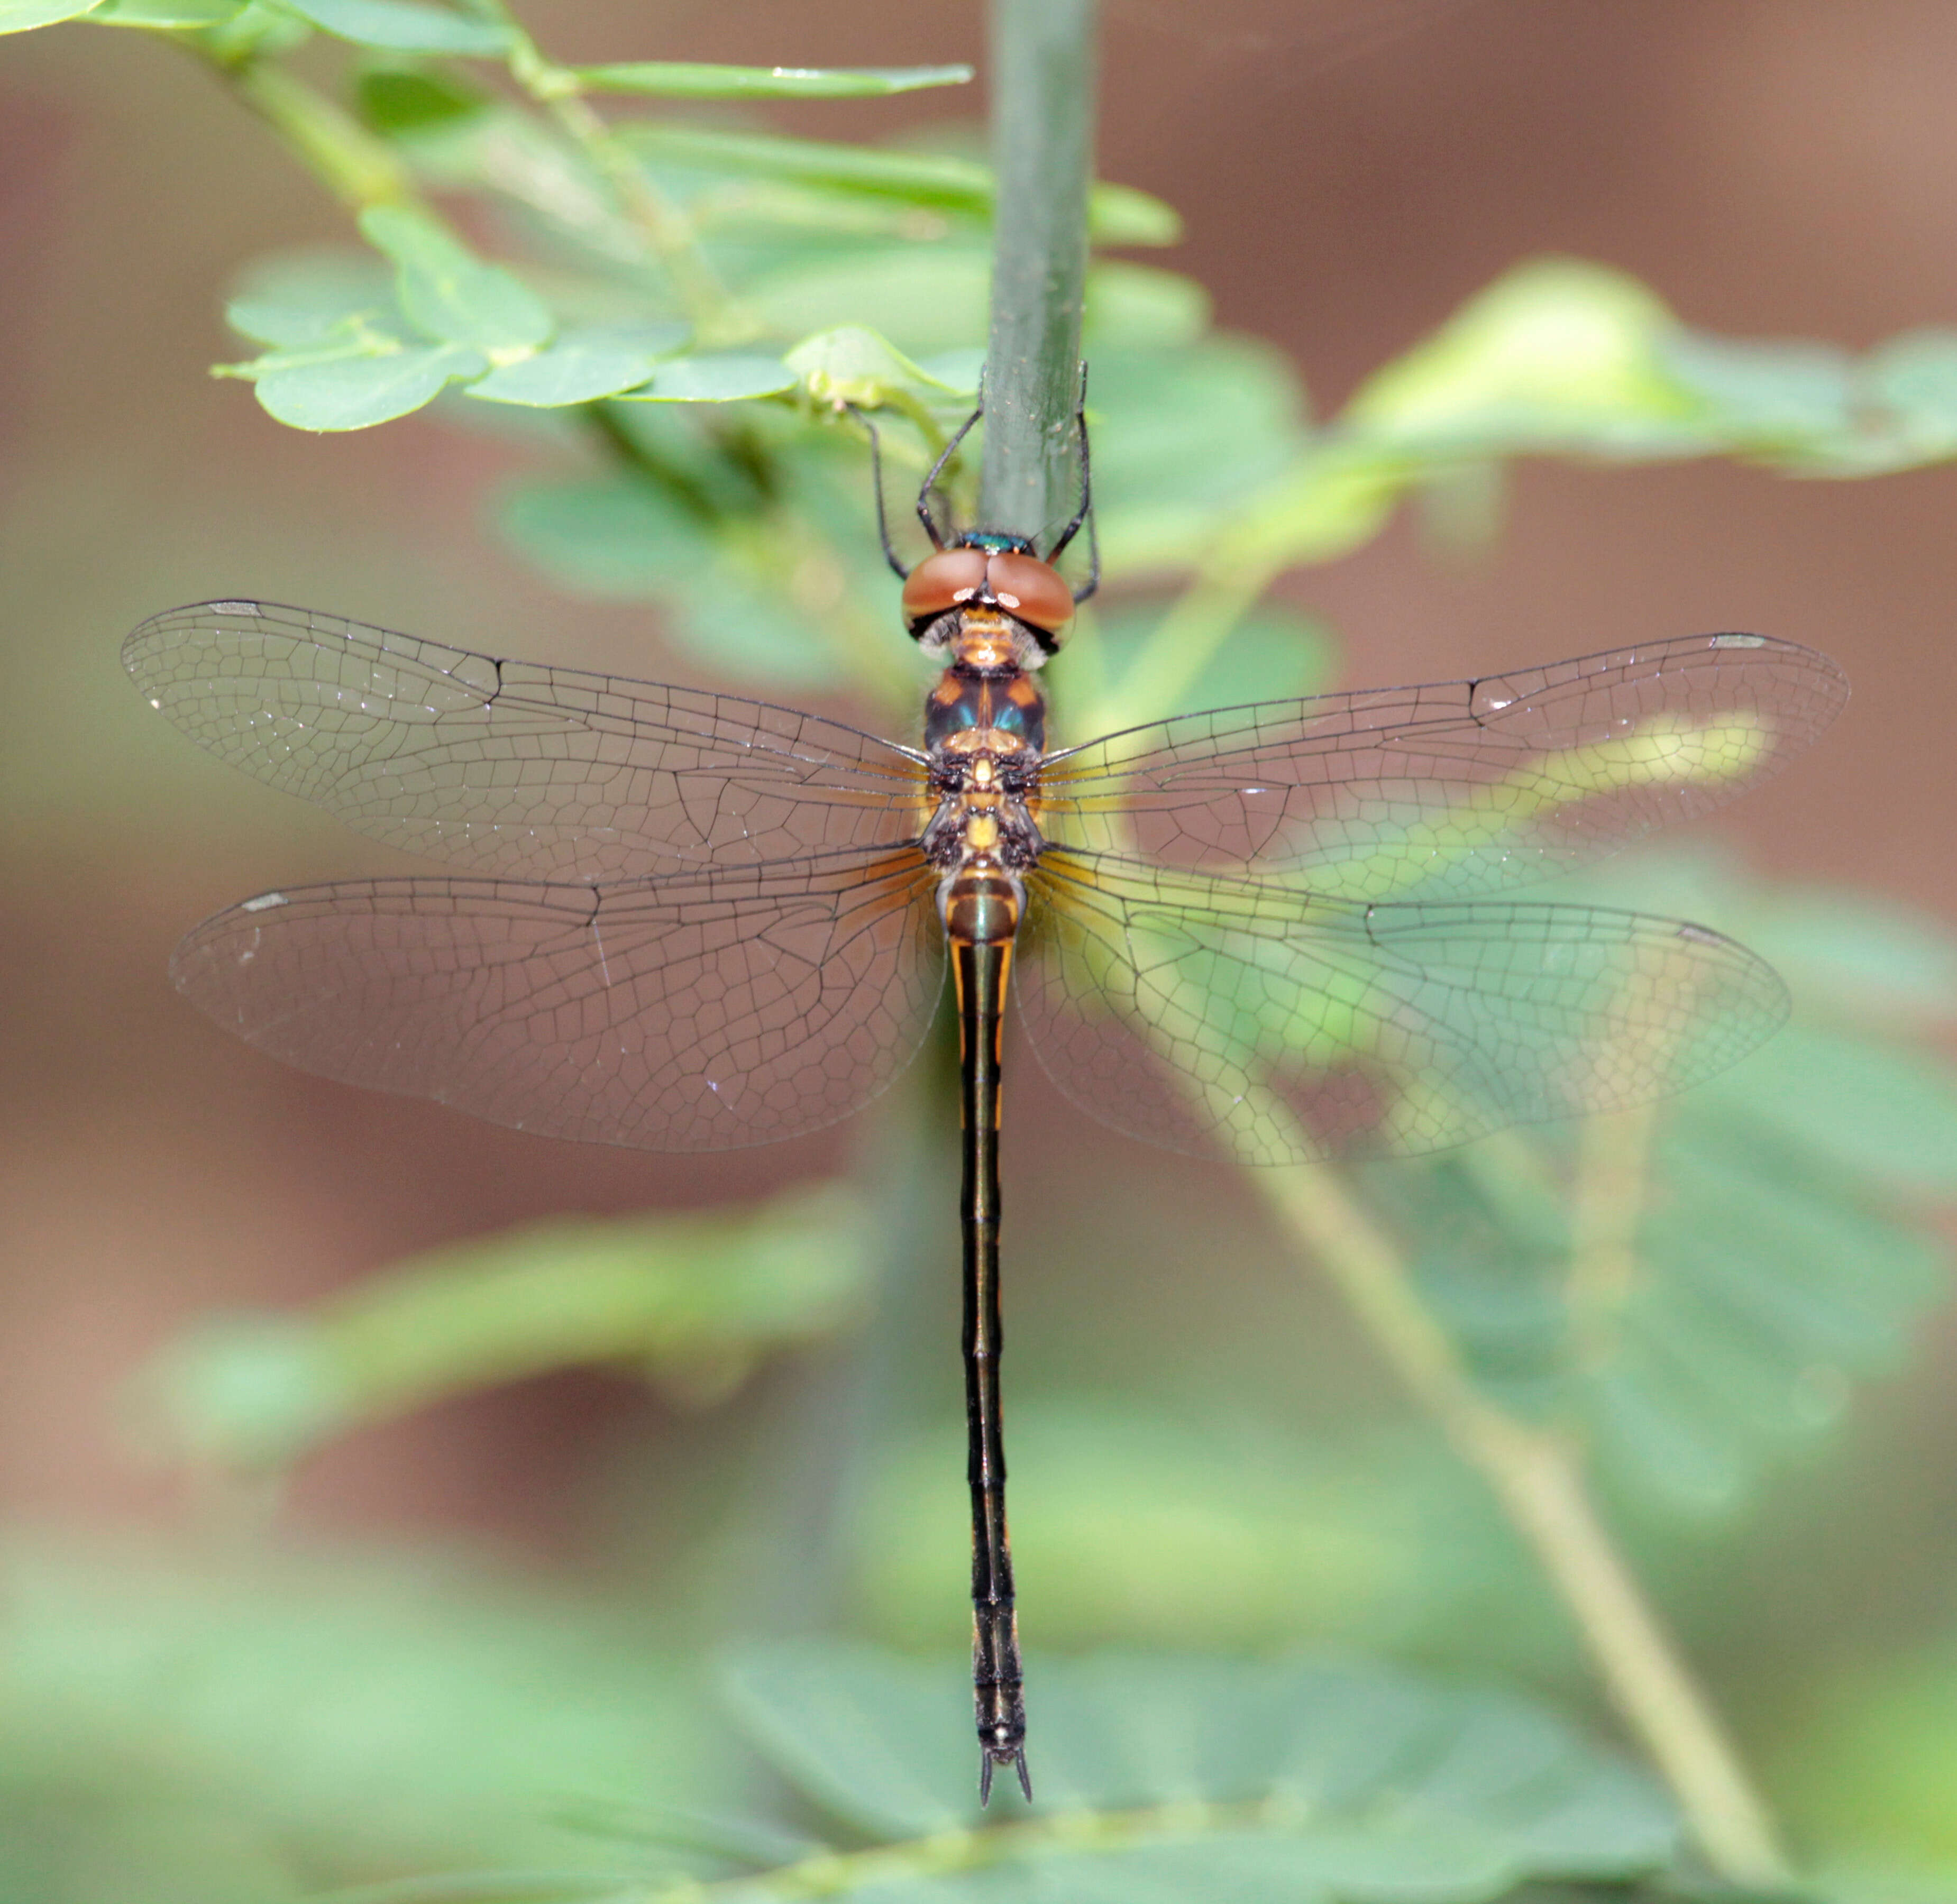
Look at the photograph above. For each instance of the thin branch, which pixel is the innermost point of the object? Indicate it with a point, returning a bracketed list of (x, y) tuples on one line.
[(359, 170), (1042, 79), (667, 233), (1538, 1478), (1607, 1200)]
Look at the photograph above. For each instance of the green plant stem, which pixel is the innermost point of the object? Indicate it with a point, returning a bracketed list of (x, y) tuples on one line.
[(1607, 1200), (1043, 81), (668, 237), (1182, 645), (1536, 1476), (1334, 501), (359, 169)]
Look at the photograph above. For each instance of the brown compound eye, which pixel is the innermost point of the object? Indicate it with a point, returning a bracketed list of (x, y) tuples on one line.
[(942, 581), (1031, 591)]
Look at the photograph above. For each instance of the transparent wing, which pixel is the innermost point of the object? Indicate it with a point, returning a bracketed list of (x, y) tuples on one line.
[(1456, 788), (507, 766), (696, 1013), (1208, 1012)]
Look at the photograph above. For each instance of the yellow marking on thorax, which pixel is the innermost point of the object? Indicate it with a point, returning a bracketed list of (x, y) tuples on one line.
[(985, 640)]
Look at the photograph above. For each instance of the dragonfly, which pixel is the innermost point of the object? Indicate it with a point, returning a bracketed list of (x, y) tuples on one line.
[(686, 921)]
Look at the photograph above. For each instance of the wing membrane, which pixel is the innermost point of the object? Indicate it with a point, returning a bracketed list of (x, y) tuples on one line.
[(509, 767), (1200, 1011), (1454, 788), (699, 1012)]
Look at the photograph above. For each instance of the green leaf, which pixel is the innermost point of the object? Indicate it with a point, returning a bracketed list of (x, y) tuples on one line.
[(619, 538), (355, 393), (614, 537), (295, 300), (726, 378), (1269, 655), (921, 302), (1649, 1425), (167, 16), (1816, 1319), (580, 366), (960, 371), (1302, 1778), (364, 1713), (1877, 1757), (23, 16), (1141, 308), (1887, 1115), (1764, 1277), (1335, 497), (933, 181), (852, 364), (447, 292), (407, 101), (681, 80), (1183, 439), (404, 27), (684, 1297), (1880, 1881), (1857, 952), (1915, 375), (1558, 354), (1262, 1536), (937, 300), (1774, 395)]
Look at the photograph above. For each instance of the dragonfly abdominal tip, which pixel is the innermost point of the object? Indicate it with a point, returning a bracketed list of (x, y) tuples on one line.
[(989, 1762)]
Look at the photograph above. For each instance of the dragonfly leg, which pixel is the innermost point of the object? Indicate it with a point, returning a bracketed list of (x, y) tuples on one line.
[(924, 509), (877, 485), (1084, 514)]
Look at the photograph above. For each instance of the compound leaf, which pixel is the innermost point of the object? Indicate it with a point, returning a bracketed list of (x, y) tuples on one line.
[(1306, 1778), (667, 79), (23, 16), (356, 392), (404, 27), (447, 292)]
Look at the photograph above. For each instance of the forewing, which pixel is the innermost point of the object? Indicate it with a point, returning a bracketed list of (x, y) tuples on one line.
[(694, 1013), (1217, 1013), (509, 767), (1458, 787)]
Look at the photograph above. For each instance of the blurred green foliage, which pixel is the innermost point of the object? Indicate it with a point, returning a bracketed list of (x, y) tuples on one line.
[(260, 1391), (686, 314)]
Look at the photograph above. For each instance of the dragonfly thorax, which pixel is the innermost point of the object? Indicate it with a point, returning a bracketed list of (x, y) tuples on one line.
[(974, 711), (983, 734)]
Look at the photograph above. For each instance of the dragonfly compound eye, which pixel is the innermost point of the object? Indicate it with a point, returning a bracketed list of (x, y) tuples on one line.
[(942, 582), (1031, 591)]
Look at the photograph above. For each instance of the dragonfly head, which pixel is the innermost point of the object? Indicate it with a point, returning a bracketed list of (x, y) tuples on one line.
[(989, 603)]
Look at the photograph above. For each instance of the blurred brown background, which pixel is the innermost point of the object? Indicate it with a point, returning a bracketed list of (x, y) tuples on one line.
[(1350, 171)]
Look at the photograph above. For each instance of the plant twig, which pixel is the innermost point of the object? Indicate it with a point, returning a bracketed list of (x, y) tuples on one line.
[(1042, 79), (667, 233), (1538, 1478), (359, 169), (1607, 1198)]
